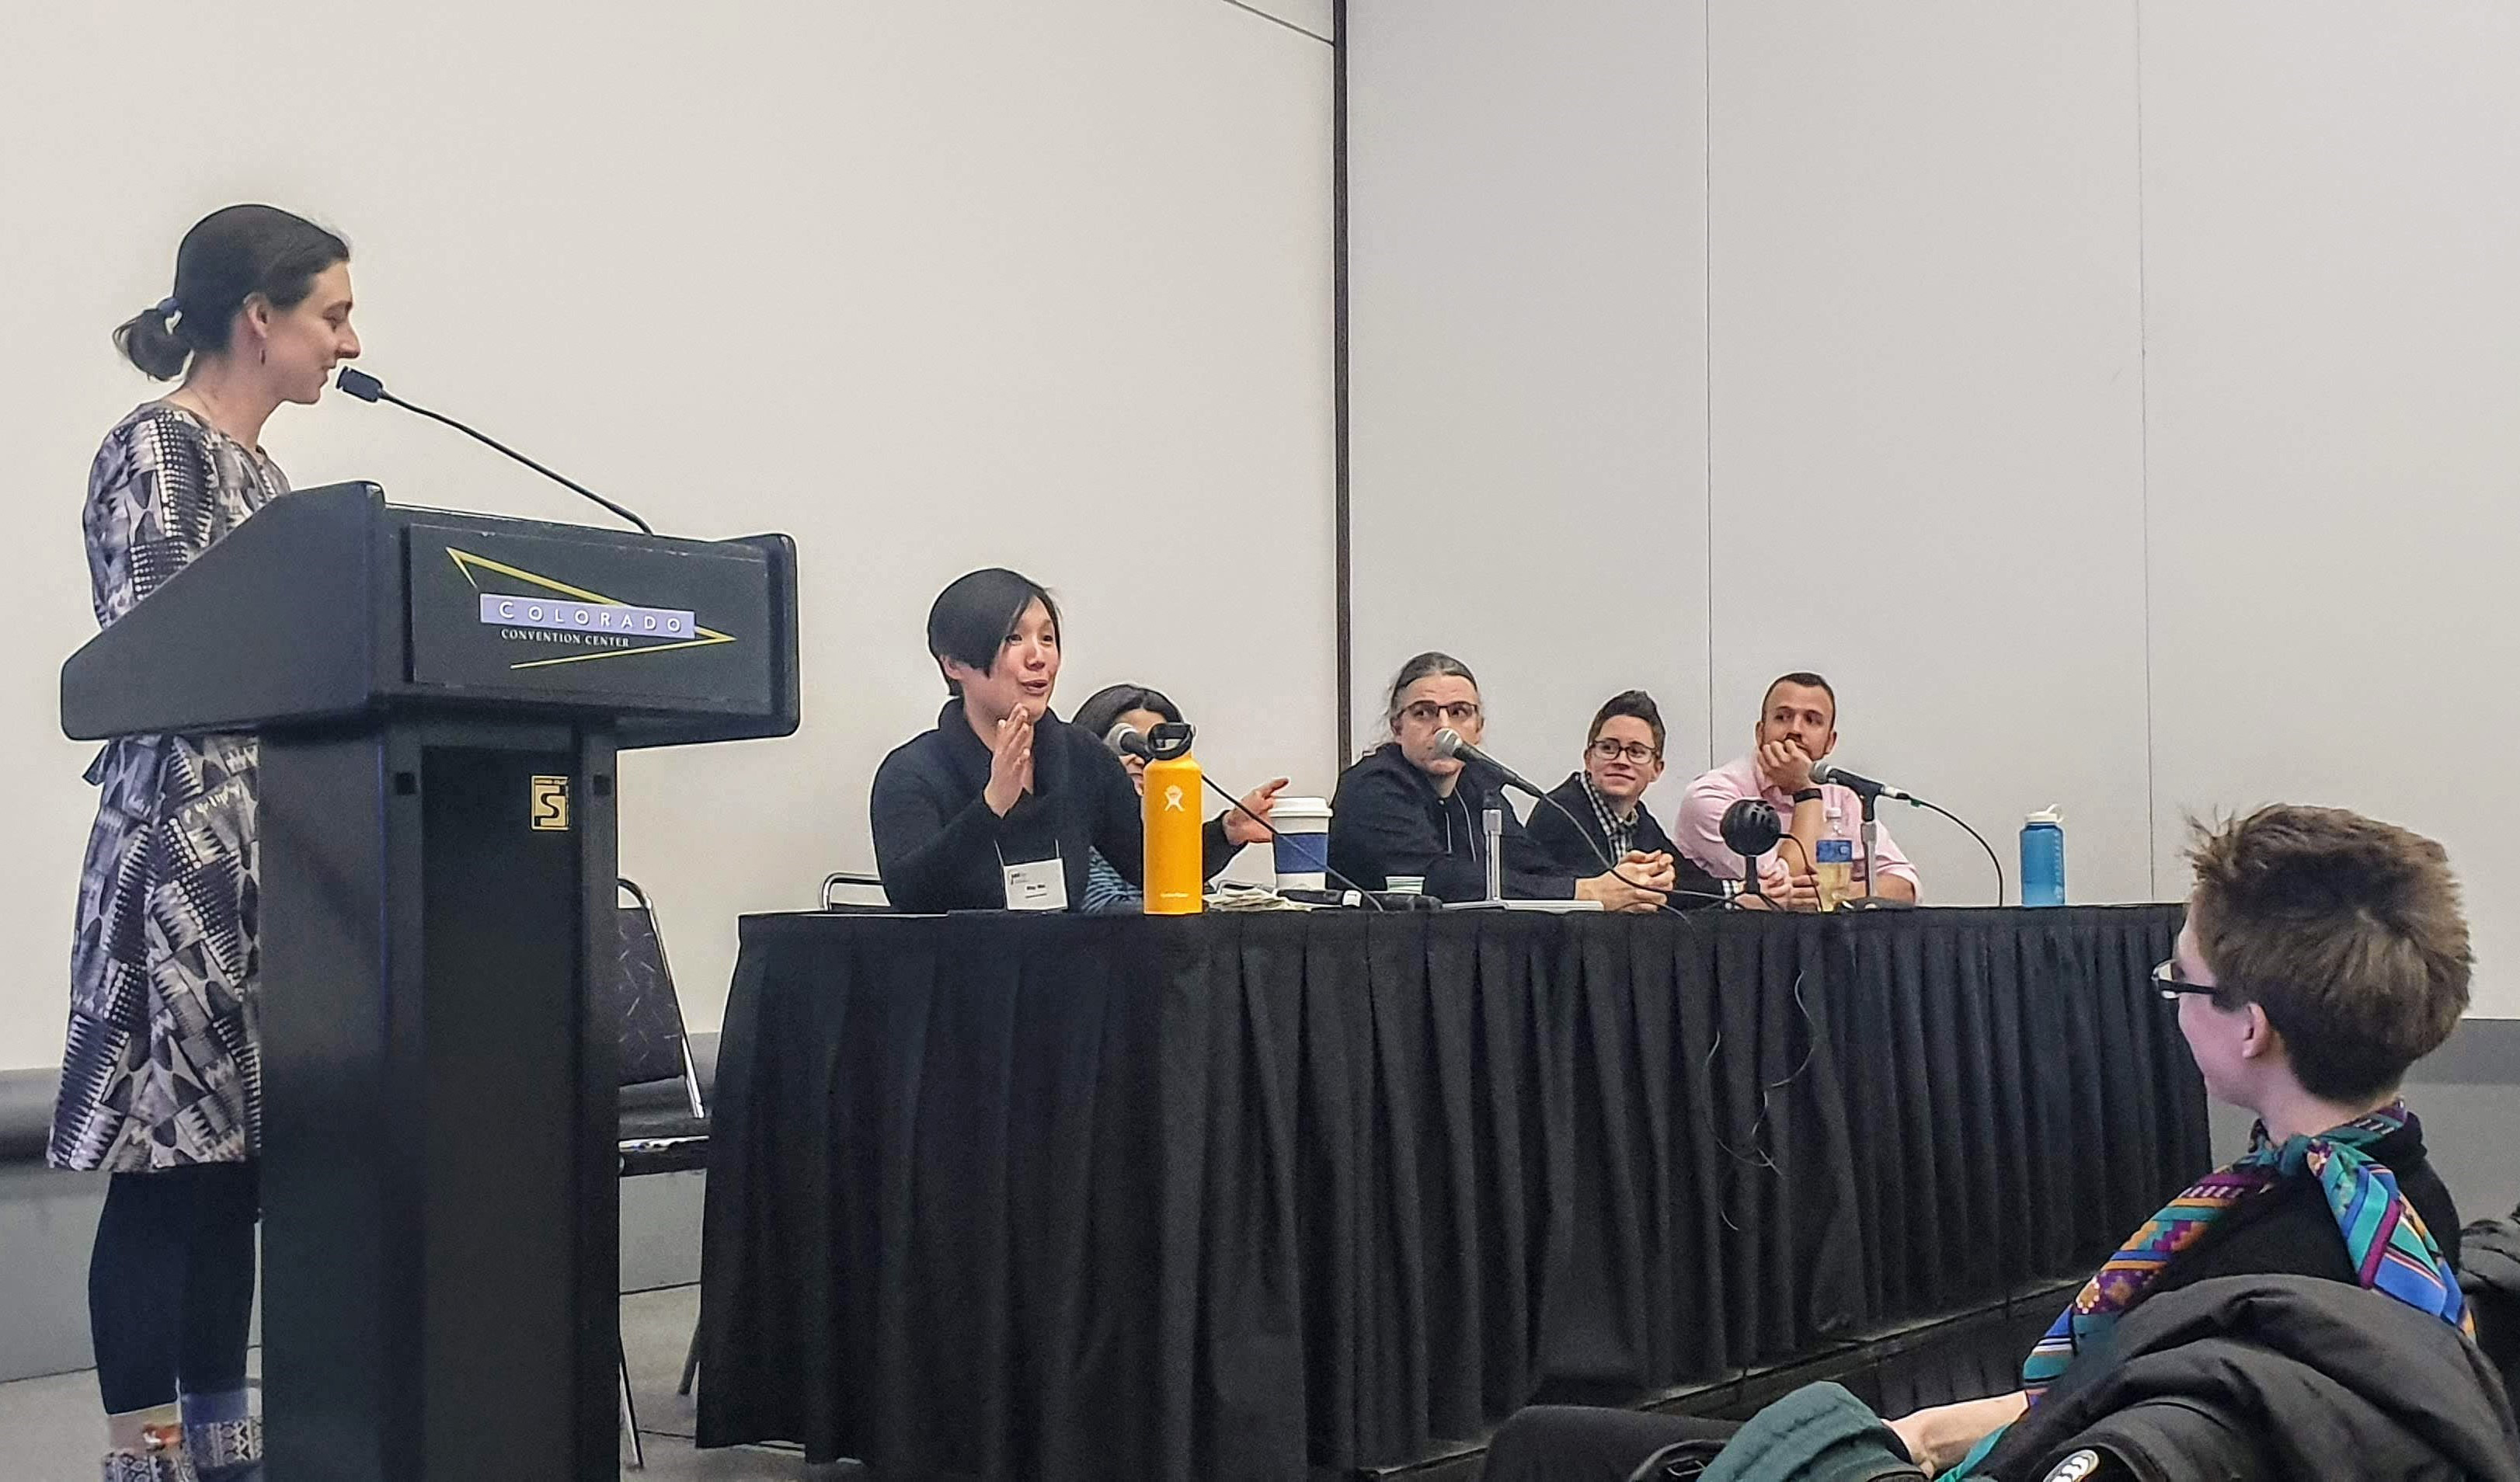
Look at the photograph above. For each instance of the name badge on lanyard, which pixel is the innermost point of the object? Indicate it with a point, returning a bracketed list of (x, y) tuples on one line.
[(1038, 885)]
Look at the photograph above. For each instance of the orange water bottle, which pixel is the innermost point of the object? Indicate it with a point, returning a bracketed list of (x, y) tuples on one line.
[(1175, 843)]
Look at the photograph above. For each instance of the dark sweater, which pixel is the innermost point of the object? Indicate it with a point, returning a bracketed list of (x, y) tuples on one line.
[(1566, 841), (940, 846), (2289, 1229), (1386, 820)]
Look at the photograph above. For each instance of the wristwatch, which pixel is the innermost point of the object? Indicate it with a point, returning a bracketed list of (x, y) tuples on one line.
[(1809, 795)]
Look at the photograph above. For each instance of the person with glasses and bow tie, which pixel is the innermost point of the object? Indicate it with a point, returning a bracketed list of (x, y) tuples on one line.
[(1408, 811), (1601, 811)]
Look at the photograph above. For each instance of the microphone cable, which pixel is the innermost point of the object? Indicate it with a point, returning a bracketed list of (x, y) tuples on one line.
[(1236, 804), (1990, 857)]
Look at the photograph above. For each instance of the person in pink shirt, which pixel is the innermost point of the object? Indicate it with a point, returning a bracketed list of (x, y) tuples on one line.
[(1797, 727)]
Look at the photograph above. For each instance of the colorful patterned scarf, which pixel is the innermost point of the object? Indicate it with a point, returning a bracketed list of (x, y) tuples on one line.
[(2391, 1250)]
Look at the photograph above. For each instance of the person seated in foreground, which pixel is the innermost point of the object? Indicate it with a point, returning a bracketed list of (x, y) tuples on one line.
[(1601, 813), (1407, 810), (2324, 953), (1797, 726), (1003, 806)]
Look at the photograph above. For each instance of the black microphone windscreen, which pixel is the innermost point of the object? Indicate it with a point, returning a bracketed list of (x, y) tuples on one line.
[(360, 384), (1751, 827)]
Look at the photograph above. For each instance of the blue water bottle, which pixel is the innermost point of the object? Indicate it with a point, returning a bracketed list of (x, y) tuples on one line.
[(2042, 858)]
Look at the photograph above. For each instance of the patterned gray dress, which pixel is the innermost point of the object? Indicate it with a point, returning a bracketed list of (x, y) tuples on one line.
[(162, 1067)]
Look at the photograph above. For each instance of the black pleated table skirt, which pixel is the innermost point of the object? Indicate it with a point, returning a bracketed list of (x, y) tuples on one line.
[(1054, 1196)]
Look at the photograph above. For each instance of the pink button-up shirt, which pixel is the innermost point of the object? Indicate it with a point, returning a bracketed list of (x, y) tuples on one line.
[(1699, 830)]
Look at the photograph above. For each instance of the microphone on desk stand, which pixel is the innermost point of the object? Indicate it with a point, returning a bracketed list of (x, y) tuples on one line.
[(1449, 743), (1825, 772), (1128, 741), (1750, 829), (367, 387)]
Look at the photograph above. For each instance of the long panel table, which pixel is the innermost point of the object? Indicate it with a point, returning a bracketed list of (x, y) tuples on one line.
[(1240, 1195)]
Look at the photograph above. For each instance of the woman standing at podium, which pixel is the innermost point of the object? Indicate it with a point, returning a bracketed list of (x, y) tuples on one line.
[(160, 1078), (1004, 805)]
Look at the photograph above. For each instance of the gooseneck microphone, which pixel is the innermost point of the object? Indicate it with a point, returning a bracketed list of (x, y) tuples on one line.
[(367, 387), (1824, 771), (1129, 741), (1449, 743)]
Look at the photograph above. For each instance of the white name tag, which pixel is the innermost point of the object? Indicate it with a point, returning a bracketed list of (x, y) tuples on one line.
[(1040, 885)]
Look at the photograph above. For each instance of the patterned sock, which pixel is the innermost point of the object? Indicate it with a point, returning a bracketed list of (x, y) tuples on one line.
[(225, 1440)]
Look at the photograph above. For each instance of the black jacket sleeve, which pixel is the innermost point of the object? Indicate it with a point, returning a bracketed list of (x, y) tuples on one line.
[(1378, 828), (932, 854), (1560, 841), (1694, 887)]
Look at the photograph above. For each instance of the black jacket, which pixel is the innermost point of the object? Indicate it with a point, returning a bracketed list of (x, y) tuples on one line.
[(1386, 820), (2488, 1271), (940, 846), (1566, 843), (2289, 1229), (2268, 1377)]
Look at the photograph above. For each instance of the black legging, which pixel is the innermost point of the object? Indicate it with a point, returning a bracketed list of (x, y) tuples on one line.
[(170, 1286)]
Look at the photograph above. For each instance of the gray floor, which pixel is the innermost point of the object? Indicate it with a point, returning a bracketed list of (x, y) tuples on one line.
[(49, 1432)]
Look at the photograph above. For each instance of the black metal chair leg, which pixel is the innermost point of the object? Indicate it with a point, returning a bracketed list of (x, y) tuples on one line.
[(691, 1362), (630, 1412)]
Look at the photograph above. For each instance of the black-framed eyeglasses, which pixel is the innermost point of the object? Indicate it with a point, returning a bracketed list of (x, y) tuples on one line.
[(2170, 985), (1610, 749), (1427, 712)]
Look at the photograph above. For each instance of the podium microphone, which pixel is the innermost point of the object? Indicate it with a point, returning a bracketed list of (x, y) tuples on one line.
[(367, 387)]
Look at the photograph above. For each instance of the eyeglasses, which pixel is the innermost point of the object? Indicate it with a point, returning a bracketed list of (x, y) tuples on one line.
[(1611, 749), (2170, 985), (1426, 713)]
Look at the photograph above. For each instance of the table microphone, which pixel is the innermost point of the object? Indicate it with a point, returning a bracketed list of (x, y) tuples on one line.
[(1825, 772), (1750, 829), (1449, 743), (1129, 741), (367, 387), (1866, 787)]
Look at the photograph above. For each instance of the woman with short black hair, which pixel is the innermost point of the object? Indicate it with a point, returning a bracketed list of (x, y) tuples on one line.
[(1002, 804)]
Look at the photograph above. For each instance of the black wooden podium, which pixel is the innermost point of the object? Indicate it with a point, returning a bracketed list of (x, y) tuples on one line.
[(441, 698)]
